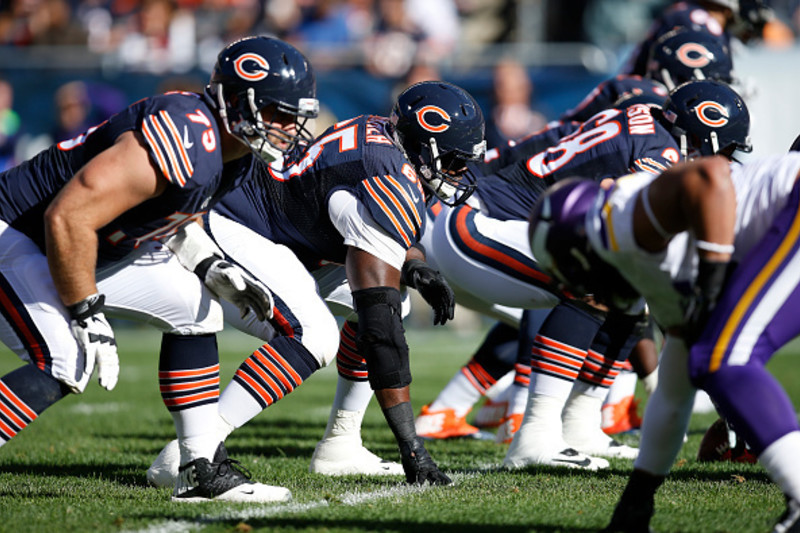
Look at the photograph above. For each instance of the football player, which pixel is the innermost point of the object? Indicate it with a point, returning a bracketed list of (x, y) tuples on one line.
[(456, 245), (356, 196), (712, 17), (87, 207), (710, 246), (684, 54)]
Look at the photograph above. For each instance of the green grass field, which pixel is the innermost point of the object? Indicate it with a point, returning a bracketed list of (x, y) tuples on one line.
[(81, 466)]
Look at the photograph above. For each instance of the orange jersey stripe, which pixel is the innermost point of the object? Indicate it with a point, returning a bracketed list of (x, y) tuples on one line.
[(151, 140), (187, 163), (169, 151), (407, 198)]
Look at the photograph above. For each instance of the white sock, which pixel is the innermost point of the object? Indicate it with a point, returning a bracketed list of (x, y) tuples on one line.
[(624, 386), (351, 395), (517, 400), (344, 424), (780, 460), (459, 394), (582, 419), (237, 406), (196, 437)]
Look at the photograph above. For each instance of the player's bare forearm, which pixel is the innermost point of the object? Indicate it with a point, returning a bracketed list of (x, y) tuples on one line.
[(72, 256)]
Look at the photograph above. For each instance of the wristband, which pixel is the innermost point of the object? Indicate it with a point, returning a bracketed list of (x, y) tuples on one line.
[(87, 307)]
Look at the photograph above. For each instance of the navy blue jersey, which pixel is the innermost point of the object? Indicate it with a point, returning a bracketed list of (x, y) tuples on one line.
[(679, 15), (179, 131), (290, 207), (501, 157), (610, 91), (611, 144)]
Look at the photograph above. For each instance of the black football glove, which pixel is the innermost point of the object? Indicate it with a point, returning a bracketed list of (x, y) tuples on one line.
[(432, 287), (419, 465), (711, 277)]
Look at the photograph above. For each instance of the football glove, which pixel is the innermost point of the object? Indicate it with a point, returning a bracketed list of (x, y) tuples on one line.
[(96, 339), (418, 464), (433, 288), (232, 283)]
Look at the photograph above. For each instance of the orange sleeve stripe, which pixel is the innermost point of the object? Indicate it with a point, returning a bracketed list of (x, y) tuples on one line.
[(162, 164), (389, 214), (169, 151), (393, 198), (187, 163), (407, 198)]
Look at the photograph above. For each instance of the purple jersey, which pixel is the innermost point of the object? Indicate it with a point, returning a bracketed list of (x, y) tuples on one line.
[(611, 144), (679, 15), (291, 207), (181, 135), (610, 91)]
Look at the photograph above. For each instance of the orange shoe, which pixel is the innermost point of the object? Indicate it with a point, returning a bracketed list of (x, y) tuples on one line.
[(442, 424), (621, 416), (491, 414), (508, 427)]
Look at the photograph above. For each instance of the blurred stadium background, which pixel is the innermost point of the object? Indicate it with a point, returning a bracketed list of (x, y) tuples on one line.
[(67, 64)]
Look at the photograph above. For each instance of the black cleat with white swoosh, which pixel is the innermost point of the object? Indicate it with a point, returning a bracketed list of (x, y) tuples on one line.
[(222, 479)]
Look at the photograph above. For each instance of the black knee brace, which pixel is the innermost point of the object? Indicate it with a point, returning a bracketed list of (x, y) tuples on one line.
[(381, 338)]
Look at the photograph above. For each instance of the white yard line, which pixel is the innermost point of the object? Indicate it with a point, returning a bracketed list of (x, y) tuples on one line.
[(266, 511)]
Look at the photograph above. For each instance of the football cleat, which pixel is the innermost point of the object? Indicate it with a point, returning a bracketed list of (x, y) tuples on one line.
[(222, 479), (443, 424), (559, 456), (508, 428), (343, 456), (789, 522), (621, 417), (164, 470), (491, 414)]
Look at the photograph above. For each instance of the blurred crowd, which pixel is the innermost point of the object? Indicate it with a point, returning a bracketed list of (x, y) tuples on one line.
[(398, 40)]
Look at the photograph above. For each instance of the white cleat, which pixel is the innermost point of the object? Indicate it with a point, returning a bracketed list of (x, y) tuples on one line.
[(337, 456), (564, 457), (164, 470), (611, 449)]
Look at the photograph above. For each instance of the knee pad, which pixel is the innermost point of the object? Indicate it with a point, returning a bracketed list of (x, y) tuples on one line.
[(381, 338)]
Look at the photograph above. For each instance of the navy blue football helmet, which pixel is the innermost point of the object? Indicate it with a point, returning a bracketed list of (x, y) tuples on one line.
[(707, 117), (255, 73), (682, 55), (441, 128), (560, 244)]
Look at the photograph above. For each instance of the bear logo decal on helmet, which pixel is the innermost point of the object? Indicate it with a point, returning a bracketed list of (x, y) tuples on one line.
[(444, 117), (712, 114), (694, 55), (246, 71)]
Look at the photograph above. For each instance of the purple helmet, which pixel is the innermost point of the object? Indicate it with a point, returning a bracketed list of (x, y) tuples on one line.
[(560, 244)]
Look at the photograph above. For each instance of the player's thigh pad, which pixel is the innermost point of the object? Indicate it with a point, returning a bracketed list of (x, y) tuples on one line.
[(150, 286), (493, 262), (300, 311), (33, 322)]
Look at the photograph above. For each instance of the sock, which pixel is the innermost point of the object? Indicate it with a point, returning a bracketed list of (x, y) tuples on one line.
[(780, 460), (462, 391), (269, 374), (581, 417), (623, 387), (24, 394), (188, 376)]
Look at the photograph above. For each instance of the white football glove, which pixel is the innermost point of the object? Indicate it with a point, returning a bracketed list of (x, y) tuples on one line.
[(96, 338), (232, 283)]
